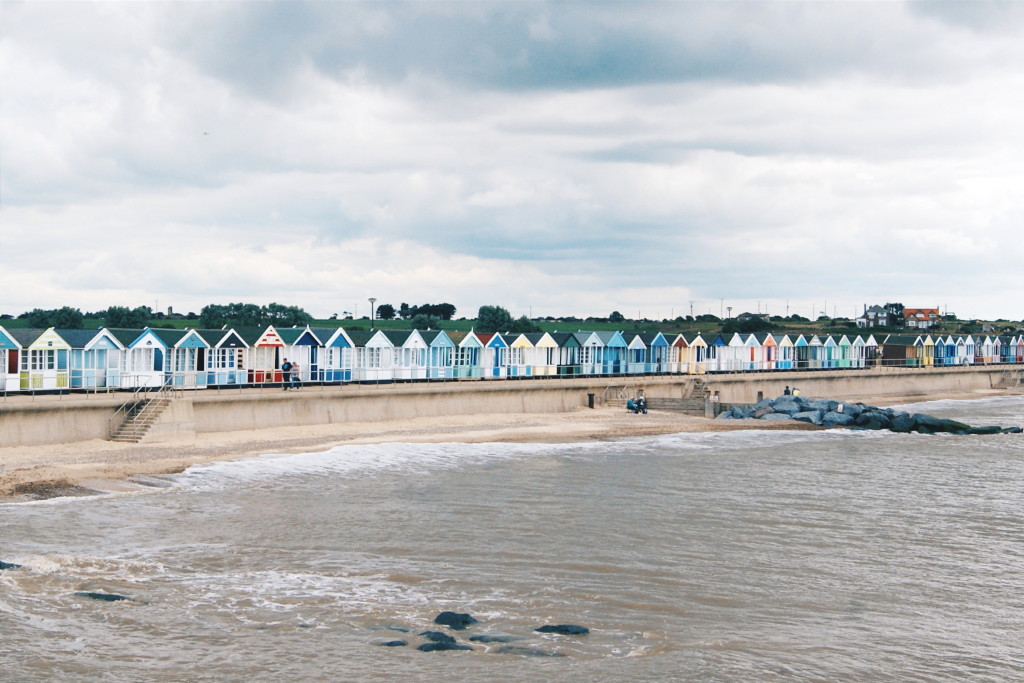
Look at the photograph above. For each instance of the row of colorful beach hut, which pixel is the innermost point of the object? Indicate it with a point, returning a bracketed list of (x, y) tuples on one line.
[(193, 358)]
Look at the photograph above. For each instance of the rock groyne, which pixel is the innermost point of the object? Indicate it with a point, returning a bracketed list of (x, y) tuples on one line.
[(828, 413)]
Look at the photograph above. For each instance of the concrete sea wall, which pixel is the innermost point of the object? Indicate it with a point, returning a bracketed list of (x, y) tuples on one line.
[(39, 420)]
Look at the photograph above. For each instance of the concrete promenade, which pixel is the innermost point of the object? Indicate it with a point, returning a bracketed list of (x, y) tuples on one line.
[(28, 420)]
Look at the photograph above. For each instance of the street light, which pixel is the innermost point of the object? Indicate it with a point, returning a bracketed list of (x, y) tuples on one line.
[(372, 301)]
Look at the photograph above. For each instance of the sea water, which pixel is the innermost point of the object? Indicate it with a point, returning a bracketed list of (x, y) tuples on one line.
[(737, 556)]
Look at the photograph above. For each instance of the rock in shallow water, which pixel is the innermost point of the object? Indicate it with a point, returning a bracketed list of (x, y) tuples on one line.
[(441, 647), (494, 638), (564, 629), (9, 565), (454, 620), (829, 413), (526, 651), (103, 597), (985, 430)]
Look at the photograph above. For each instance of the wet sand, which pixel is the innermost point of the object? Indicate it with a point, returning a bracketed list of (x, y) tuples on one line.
[(88, 467)]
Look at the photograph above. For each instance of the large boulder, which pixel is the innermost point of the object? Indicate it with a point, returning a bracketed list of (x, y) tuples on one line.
[(939, 424), (821, 405), (777, 416), (834, 419), (953, 427), (811, 416), (853, 409), (871, 419), (9, 565), (787, 405), (904, 424)]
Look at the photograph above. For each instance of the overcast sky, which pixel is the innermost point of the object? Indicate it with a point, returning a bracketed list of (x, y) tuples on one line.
[(554, 158)]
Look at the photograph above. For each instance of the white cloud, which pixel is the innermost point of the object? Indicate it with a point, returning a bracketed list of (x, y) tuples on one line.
[(149, 153)]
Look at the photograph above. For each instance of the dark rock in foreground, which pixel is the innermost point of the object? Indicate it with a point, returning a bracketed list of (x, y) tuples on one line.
[(526, 651), (494, 638), (439, 642), (103, 597), (441, 647), (564, 629), (393, 643), (9, 565), (454, 620), (828, 413)]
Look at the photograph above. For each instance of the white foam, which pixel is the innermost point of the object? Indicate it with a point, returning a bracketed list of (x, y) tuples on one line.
[(361, 460), (423, 458)]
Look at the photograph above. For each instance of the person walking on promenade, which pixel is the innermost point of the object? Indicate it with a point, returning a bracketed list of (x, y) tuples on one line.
[(294, 381), (286, 373)]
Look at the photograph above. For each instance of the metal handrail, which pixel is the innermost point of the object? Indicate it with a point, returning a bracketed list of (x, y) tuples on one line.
[(121, 415)]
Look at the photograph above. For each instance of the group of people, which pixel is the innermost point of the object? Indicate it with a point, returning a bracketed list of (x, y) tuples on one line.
[(791, 392), (637, 405), (290, 375)]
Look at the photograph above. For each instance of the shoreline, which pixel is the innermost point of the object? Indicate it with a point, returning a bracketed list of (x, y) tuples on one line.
[(93, 467)]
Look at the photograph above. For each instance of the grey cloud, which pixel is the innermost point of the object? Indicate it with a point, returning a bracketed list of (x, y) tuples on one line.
[(982, 16), (258, 46), (674, 152)]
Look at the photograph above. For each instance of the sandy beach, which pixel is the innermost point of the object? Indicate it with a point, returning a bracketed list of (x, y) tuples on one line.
[(83, 468), (33, 472)]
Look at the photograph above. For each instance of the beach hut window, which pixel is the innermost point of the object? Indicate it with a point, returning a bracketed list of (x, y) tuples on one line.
[(39, 359)]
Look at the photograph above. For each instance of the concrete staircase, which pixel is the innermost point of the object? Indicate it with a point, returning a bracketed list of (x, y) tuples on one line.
[(139, 416)]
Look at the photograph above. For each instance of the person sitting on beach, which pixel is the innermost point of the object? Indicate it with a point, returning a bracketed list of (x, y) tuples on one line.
[(796, 392), (787, 392), (631, 406), (641, 405)]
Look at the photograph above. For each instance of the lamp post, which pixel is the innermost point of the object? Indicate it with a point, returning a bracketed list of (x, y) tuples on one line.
[(372, 301)]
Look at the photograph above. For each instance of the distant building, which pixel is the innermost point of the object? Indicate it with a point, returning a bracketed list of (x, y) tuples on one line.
[(876, 316), (921, 318)]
